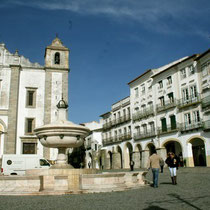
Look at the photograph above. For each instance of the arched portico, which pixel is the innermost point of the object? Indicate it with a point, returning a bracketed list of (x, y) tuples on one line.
[(110, 159), (119, 150), (151, 148), (137, 156), (128, 150), (197, 152)]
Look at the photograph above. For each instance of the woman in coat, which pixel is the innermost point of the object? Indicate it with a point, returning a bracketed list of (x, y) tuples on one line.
[(172, 163)]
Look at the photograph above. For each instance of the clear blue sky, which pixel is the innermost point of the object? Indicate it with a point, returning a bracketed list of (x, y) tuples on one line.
[(111, 41)]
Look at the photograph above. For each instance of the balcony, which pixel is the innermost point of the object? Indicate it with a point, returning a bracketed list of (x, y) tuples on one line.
[(184, 127), (108, 141), (168, 129), (144, 135), (205, 101), (166, 105), (190, 101), (206, 125), (122, 119), (143, 114), (107, 125)]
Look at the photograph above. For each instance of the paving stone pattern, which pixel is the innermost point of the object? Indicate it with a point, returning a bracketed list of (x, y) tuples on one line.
[(192, 192)]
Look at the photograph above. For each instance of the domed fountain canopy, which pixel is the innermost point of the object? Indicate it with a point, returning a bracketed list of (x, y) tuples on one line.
[(62, 104)]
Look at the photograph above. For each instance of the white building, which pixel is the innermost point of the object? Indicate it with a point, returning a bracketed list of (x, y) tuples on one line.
[(93, 144), (29, 94), (170, 112)]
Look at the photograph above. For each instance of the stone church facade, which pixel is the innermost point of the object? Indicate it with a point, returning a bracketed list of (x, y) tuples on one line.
[(29, 93)]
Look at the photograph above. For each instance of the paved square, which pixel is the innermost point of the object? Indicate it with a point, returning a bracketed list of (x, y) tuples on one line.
[(192, 192)]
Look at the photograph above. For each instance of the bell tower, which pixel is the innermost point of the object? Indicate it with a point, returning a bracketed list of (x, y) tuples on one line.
[(57, 55), (56, 81)]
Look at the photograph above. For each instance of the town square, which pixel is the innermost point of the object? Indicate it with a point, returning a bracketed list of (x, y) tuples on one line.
[(104, 105)]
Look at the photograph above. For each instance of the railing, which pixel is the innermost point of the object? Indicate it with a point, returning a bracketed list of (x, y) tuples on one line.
[(144, 113), (206, 125), (191, 100), (205, 101), (168, 129), (143, 135), (117, 121), (117, 138), (193, 125), (107, 125), (166, 105)]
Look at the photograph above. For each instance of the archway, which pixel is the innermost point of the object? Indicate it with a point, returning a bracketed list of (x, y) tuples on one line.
[(151, 148), (120, 152), (90, 160), (110, 159), (199, 152), (138, 156), (176, 148), (128, 151)]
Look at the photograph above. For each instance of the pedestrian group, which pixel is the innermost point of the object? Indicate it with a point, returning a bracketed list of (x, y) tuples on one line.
[(155, 162)]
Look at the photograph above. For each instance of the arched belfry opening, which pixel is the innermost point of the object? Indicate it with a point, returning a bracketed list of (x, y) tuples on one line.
[(57, 58)]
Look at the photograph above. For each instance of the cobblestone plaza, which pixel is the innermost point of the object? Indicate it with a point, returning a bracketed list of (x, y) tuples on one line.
[(192, 192)]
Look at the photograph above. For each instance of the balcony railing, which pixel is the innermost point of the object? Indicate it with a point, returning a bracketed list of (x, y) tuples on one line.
[(117, 138), (206, 125), (122, 119), (143, 114), (107, 141), (168, 129), (205, 101), (117, 121), (107, 125), (193, 125), (143, 135), (190, 101), (166, 105)]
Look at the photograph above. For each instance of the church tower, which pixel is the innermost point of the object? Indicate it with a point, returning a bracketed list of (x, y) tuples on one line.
[(56, 81)]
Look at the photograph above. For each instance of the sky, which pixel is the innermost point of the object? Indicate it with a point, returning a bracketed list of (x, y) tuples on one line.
[(111, 42)]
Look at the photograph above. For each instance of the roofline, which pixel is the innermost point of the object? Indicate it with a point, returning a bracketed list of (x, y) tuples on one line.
[(175, 65), (139, 76), (120, 100), (202, 54), (104, 114)]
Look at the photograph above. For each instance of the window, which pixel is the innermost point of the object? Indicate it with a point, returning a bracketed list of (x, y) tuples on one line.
[(193, 91), (143, 107), (57, 58), (185, 94), (163, 124), (96, 147), (29, 126), (150, 105), (30, 97), (125, 130), (196, 116), (171, 97), (169, 80), (160, 85), (183, 73), (191, 69), (29, 148), (144, 128), (137, 129), (143, 89), (173, 122), (187, 119), (136, 90), (152, 126), (162, 101), (204, 69)]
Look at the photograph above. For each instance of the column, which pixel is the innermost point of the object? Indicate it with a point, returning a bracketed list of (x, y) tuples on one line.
[(136, 159), (10, 138), (145, 157), (116, 160)]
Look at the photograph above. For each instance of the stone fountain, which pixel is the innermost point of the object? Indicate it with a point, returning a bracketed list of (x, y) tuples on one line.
[(61, 134), (62, 177)]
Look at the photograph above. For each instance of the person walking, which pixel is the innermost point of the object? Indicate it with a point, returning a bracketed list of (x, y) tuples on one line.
[(172, 163), (154, 163)]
